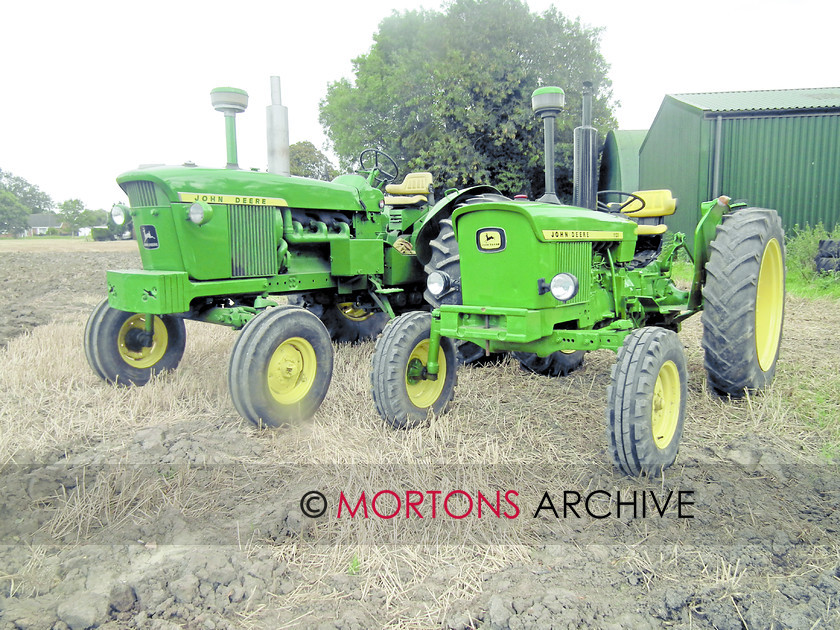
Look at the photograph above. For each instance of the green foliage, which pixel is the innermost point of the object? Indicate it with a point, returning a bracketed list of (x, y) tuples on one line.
[(450, 92), (307, 161), (13, 214), (101, 234), (73, 212), (27, 194), (801, 250)]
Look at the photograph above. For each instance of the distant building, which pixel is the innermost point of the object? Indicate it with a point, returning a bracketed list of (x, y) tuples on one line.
[(775, 149), (40, 223)]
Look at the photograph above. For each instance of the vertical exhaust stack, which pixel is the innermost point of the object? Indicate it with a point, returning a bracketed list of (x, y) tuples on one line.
[(230, 101), (586, 155), (547, 102), (277, 128)]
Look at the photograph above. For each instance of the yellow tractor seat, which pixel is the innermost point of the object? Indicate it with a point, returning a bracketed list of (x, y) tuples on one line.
[(651, 230), (658, 203), (405, 200), (413, 184)]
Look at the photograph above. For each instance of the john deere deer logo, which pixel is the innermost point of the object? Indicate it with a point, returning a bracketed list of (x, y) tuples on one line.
[(148, 234), (490, 239)]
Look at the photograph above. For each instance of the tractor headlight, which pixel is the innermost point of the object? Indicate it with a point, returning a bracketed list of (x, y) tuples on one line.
[(564, 286), (118, 214), (200, 212), (438, 283)]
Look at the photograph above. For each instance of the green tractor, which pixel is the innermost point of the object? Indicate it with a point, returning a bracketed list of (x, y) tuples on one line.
[(217, 245), (542, 280), (548, 282)]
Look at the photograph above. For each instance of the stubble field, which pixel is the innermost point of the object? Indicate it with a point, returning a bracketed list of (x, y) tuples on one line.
[(158, 507)]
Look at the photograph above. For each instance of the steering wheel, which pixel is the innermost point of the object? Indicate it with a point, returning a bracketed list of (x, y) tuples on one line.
[(372, 160), (606, 207)]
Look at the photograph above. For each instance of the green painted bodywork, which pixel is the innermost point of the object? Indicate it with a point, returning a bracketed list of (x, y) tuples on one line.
[(620, 290), (268, 234)]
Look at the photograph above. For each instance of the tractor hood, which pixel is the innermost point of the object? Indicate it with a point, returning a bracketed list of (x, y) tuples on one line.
[(551, 223), (186, 183)]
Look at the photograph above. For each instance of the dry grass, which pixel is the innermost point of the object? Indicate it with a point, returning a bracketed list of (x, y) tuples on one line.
[(503, 424)]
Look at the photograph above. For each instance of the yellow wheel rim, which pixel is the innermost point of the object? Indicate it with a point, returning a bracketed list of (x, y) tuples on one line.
[(291, 370), (770, 301), (353, 313), (666, 404), (147, 356), (421, 392)]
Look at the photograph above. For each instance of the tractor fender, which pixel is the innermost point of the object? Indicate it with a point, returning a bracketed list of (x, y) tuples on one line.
[(428, 227)]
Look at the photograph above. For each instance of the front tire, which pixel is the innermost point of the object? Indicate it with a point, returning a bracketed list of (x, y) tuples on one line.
[(280, 367), (401, 394), (646, 402), (744, 300), (119, 352)]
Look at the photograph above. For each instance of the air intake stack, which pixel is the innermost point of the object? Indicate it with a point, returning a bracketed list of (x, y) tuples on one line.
[(547, 102), (230, 101)]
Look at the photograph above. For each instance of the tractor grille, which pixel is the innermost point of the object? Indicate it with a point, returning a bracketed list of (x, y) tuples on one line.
[(576, 258), (141, 194), (252, 248)]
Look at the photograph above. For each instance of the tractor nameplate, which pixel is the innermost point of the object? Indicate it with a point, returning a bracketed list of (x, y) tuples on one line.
[(582, 235), (490, 240), (244, 200)]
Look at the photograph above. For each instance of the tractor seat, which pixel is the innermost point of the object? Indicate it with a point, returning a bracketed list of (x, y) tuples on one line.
[(658, 204), (415, 189)]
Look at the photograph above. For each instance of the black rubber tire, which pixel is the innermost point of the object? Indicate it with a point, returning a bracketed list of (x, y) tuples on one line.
[(91, 333), (389, 379), (251, 366), (828, 248), (736, 320), (447, 258), (829, 265), (632, 402), (114, 362), (556, 364), (342, 329)]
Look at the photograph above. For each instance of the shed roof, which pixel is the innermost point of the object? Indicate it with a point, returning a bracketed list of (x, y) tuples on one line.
[(763, 100), (44, 220)]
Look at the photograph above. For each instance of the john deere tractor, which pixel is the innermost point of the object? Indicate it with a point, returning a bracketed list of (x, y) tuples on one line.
[(218, 246), (549, 282), (542, 280)]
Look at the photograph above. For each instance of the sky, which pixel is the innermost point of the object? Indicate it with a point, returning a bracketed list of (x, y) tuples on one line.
[(91, 89)]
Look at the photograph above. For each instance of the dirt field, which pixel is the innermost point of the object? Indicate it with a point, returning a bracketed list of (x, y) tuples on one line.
[(158, 507)]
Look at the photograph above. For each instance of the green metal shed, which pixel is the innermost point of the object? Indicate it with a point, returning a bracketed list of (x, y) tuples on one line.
[(620, 160), (774, 149)]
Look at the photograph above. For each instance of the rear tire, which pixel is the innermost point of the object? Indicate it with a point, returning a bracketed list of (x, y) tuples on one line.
[(280, 367), (828, 265), (447, 258), (345, 322), (401, 396), (646, 402), (114, 349), (556, 364), (744, 299)]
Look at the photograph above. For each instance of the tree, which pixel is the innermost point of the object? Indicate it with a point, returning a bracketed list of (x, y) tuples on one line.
[(28, 194), (449, 92), (73, 211), (307, 161), (13, 214)]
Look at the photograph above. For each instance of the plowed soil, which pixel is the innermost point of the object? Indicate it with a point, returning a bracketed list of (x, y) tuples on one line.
[(159, 507)]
